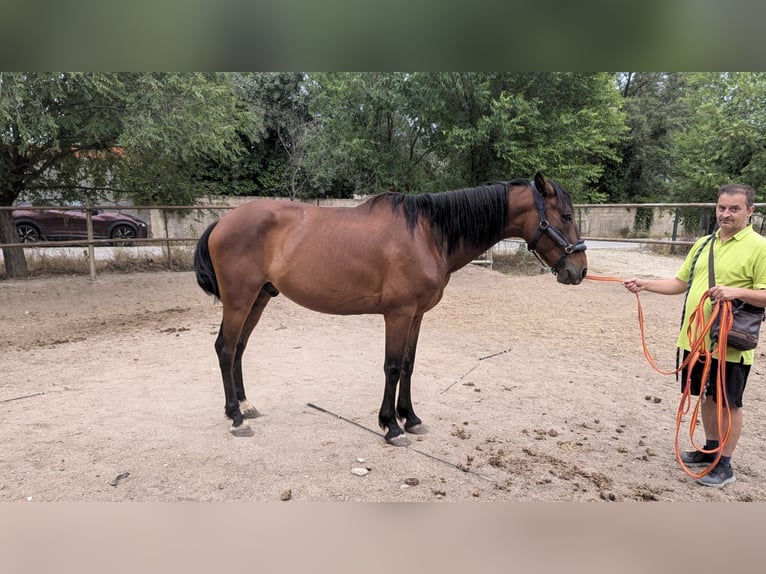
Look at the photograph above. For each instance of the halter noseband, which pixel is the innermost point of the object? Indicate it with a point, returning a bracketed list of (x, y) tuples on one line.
[(552, 232)]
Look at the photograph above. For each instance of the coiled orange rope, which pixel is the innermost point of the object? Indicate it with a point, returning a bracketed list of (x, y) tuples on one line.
[(697, 329)]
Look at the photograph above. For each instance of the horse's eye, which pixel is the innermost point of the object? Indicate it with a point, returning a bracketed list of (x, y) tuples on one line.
[(567, 217)]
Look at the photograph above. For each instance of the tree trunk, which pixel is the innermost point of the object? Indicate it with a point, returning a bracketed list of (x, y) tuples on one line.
[(13, 257)]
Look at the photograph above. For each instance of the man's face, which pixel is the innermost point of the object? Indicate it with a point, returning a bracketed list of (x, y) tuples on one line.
[(732, 213)]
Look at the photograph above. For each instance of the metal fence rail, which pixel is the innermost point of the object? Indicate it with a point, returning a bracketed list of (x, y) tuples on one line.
[(91, 243), (160, 236)]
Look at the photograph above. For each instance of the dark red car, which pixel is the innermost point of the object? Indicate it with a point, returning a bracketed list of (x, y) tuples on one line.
[(33, 225)]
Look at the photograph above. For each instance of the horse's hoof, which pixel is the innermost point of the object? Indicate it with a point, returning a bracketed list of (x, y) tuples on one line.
[(419, 428), (399, 440), (248, 410), (242, 430)]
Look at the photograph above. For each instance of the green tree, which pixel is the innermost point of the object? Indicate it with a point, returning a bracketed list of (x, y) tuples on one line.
[(504, 125), (655, 111), (278, 103), (430, 131), (88, 136), (725, 140), (564, 124), (371, 132)]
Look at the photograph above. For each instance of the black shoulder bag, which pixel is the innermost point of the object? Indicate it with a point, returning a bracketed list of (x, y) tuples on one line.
[(746, 318)]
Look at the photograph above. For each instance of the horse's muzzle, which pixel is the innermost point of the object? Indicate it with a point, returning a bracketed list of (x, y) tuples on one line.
[(571, 275)]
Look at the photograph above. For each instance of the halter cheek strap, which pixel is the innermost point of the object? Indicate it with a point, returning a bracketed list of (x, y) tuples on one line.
[(546, 228)]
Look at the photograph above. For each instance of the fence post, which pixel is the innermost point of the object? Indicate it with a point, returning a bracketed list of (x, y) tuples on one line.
[(675, 233), (167, 237), (91, 249)]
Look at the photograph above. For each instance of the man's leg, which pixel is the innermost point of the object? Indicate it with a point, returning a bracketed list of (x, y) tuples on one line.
[(722, 474), (710, 424)]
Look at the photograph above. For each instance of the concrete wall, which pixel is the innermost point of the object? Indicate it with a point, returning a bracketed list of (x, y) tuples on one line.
[(608, 221), (617, 221), (191, 223)]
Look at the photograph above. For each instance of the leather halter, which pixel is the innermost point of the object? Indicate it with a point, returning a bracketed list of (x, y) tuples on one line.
[(546, 228)]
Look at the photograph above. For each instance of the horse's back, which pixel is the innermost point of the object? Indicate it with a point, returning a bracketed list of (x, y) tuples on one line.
[(342, 260), (301, 229)]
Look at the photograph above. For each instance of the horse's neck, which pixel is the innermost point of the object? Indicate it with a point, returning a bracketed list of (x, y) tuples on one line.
[(517, 217), (465, 254)]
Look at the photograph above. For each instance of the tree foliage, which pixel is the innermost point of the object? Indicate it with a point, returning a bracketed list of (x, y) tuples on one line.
[(430, 131), (725, 140), (88, 136), (277, 103), (171, 137), (371, 133), (655, 111)]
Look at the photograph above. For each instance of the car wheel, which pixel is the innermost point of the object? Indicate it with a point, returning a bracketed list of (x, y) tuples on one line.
[(27, 233), (123, 233)]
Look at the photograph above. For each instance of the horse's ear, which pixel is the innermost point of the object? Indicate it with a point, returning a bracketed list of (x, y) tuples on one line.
[(540, 184)]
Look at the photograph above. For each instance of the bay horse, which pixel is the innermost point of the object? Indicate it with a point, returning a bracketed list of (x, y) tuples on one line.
[(391, 255)]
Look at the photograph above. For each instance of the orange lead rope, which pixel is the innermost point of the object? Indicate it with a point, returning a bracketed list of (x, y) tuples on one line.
[(696, 331)]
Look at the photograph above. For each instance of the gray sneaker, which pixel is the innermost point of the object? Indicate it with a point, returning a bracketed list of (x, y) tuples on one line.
[(696, 458), (719, 477)]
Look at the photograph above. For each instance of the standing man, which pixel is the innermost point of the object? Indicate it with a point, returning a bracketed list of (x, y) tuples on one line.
[(740, 270)]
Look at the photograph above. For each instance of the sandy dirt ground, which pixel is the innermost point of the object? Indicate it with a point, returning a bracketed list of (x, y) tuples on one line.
[(532, 391)]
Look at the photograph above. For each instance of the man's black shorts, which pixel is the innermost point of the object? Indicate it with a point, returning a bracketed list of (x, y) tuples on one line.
[(736, 379)]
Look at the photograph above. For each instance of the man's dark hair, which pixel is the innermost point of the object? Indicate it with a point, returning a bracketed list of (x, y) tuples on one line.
[(738, 188)]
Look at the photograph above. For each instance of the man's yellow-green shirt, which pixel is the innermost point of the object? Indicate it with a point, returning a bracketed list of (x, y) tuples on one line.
[(739, 262)]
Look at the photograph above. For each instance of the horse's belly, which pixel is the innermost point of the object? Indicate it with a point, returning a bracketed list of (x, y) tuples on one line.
[(334, 302), (352, 277)]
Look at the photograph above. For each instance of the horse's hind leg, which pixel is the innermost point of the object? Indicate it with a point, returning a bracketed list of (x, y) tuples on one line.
[(247, 409), (404, 409), (226, 347), (237, 307), (238, 322)]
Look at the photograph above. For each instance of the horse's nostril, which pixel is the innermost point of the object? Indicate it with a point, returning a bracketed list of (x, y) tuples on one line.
[(584, 272)]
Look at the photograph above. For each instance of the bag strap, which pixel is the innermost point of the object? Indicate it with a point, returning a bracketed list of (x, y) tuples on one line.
[(710, 268), (711, 277)]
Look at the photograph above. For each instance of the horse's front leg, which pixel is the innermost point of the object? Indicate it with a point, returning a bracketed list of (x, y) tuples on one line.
[(404, 409), (397, 327)]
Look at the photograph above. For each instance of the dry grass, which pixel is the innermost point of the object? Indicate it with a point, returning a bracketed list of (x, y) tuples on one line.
[(661, 249), (125, 260), (181, 259), (521, 263)]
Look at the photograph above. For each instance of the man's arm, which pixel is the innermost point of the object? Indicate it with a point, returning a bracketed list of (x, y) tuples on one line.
[(755, 297), (669, 286)]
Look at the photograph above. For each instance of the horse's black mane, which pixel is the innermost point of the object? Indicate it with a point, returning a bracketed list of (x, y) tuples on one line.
[(474, 216)]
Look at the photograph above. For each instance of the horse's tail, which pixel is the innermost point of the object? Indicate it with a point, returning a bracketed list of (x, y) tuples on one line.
[(203, 267)]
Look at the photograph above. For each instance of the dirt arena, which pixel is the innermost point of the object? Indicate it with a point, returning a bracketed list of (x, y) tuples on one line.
[(532, 391)]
